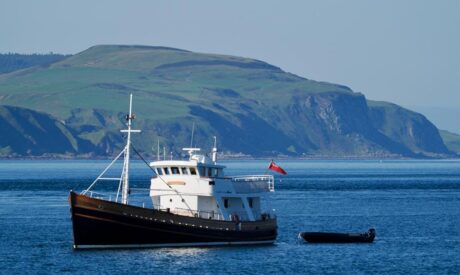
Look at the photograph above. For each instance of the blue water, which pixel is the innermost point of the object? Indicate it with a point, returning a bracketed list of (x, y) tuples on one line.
[(414, 206)]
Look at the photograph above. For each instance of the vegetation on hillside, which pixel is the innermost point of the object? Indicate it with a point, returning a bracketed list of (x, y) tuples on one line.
[(13, 61)]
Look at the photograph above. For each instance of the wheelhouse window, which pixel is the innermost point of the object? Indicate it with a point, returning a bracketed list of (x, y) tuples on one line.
[(209, 170), (175, 170), (202, 170), (220, 172), (192, 170), (159, 171), (184, 170), (166, 169)]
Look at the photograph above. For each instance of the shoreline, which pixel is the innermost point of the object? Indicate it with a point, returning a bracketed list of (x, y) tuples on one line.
[(277, 158)]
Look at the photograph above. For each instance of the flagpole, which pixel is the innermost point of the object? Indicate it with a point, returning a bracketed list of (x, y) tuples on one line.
[(268, 168)]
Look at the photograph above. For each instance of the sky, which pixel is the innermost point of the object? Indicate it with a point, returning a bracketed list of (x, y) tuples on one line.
[(402, 51)]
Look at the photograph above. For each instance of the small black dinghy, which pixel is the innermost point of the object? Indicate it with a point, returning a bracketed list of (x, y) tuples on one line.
[(326, 237)]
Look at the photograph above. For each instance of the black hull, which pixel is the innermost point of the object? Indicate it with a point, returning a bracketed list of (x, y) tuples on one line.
[(103, 224), (323, 237)]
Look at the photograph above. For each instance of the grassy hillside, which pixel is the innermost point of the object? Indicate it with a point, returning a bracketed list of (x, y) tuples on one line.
[(253, 107), (161, 79), (12, 61), (451, 140)]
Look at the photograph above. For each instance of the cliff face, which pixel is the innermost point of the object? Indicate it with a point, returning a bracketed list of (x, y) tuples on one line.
[(252, 107), (25, 132), (410, 129), (341, 124), (347, 123)]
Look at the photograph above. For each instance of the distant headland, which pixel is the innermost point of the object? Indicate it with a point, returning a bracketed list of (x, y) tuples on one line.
[(72, 106)]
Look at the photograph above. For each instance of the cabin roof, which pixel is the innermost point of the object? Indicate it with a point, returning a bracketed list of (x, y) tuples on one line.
[(183, 163)]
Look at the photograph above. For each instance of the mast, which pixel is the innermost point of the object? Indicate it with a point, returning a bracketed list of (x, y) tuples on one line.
[(214, 151), (125, 174)]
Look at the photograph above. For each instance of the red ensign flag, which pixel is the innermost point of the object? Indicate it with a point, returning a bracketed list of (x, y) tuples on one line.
[(276, 168)]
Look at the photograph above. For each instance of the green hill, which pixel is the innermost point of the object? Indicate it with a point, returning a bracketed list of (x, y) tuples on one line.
[(252, 107), (12, 61), (451, 140)]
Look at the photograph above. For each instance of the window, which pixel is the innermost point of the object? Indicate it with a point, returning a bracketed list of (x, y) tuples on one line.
[(214, 172), (226, 203), (166, 170), (175, 170), (184, 170), (193, 171), (250, 202), (209, 172), (202, 171), (170, 200), (159, 171)]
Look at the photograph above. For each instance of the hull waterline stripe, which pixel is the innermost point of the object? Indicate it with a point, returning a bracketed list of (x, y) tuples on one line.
[(89, 246)]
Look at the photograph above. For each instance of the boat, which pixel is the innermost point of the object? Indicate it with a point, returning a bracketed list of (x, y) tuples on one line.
[(329, 237), (193, 203)]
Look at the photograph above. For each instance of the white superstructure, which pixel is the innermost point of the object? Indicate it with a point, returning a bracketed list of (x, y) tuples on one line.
[(198, 187)]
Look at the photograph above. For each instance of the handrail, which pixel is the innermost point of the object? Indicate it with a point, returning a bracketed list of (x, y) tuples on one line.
[(201, 213), (251, 177), (213, 215), (257, 178)]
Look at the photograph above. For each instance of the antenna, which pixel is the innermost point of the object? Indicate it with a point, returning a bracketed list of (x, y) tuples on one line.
[(191, 151), (158, 149), (193, 132), (164, 153)]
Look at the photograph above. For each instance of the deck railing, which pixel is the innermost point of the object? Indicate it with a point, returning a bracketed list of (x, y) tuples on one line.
[(249, 184), (212, 215), (141, 201)]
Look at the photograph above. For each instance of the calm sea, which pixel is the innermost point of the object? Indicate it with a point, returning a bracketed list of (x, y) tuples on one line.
[(413, 205)]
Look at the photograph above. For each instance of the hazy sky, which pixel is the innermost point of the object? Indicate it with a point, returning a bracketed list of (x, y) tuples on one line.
[(406, 52)]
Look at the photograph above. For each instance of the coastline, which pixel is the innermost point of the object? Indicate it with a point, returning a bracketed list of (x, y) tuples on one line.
[(244, 158)]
